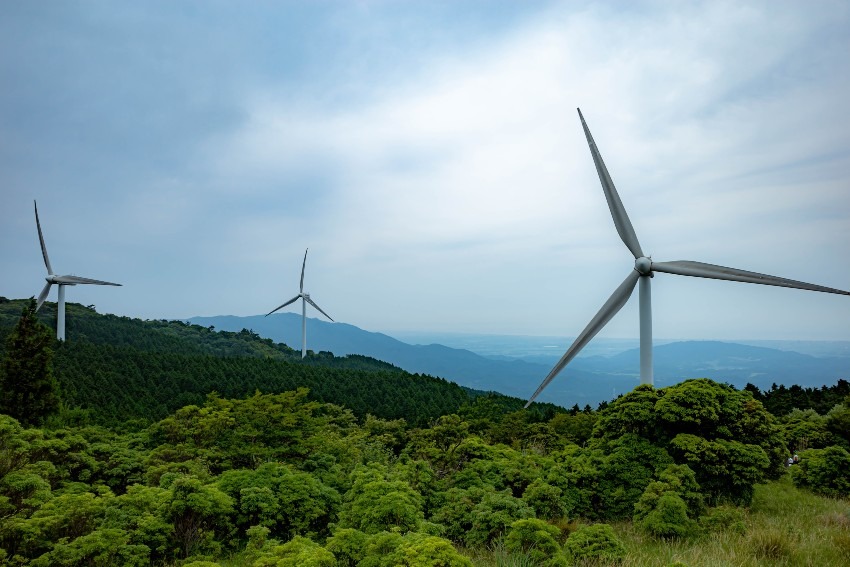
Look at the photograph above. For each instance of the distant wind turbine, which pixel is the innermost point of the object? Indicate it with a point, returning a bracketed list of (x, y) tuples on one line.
[(61, 281), (305, 299), (644, 269)]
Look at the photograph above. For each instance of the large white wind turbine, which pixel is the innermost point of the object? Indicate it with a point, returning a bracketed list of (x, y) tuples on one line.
[(61, 281), (305, 299), (644, 269)]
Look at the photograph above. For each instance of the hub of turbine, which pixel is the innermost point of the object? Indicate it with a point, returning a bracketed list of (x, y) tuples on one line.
[(643, 265)]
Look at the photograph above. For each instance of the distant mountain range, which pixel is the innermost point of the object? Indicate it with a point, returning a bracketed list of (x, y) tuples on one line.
[(588, 380)]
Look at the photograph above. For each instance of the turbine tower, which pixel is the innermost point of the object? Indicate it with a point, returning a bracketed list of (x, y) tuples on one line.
[(644, 269), (305, 299), (61, 281)]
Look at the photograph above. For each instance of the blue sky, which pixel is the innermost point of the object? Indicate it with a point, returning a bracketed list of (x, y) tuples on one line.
[(430, 156)]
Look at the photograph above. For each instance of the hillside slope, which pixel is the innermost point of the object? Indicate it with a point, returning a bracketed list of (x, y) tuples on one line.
[(120, 368)]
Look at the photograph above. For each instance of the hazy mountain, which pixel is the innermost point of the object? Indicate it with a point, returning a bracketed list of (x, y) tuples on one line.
[(587, 380)]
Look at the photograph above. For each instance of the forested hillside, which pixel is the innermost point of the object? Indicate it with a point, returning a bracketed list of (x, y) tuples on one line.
[(120, 368)]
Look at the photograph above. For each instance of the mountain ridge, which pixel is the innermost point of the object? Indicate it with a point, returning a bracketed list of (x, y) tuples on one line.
[(587, 380)]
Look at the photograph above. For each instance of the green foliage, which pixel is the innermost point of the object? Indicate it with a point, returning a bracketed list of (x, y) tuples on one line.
[(724, 518), (726, 470), (806, 429), (28, 389), (781, 400), (199, 514), (546, 500), (422, 550), (121, 369), (537, 539), (269, 477), (824, 471), (626, 466), (493, 515), (348, 546), (377, 503), (299, 552), (666, 517), (287, 501), (838, 422), (100, 548), (725, 436), (594, 542)]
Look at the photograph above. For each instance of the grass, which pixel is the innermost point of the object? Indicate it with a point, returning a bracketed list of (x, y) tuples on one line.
[(784, 527)]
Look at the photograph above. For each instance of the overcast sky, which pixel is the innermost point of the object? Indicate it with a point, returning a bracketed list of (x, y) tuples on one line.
[(430, 156)]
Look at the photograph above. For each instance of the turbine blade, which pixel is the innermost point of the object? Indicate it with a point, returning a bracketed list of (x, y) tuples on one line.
[(41, 240), (313, 303), (609, 309), (618, 212), (43, 295), (701, 270), (293, 300), (303, 265), (74, 280)]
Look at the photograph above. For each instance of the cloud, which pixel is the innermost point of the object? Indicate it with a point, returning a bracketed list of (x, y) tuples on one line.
[(431, 157)]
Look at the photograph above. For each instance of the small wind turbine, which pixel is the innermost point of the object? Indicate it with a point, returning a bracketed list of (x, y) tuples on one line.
[(644, 269), (61, 281), (305, 299)]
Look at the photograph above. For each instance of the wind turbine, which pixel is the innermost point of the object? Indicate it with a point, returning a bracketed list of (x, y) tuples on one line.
[(305, 299), (61, 281), (643, 271)]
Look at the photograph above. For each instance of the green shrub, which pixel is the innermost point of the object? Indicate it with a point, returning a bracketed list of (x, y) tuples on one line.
[(493, 515), (545, 499), (824, 471), (299, 552), (536, 538), (668, 518), (421, 550), (257, 536), (594, 542)]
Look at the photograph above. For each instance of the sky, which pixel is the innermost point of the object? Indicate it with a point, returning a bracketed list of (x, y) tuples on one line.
[(430, 156)]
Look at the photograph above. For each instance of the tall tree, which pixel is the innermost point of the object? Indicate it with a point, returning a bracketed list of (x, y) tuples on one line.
[(28, 390)]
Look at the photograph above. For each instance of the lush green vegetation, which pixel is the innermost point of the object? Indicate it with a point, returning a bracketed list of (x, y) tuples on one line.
[(118, 369), (693, 473)]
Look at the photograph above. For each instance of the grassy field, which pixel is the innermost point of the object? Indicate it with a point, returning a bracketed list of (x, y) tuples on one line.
[(783, 527)]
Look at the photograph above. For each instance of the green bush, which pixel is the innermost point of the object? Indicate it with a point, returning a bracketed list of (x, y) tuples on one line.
[(668, 518), (493, 515), (421, 550), (537, 539), (824, 471), (594, 542), (545, 499), (299, 552)]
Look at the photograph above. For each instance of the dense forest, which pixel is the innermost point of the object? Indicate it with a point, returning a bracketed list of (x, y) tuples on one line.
[(117, 368), (175, 444)]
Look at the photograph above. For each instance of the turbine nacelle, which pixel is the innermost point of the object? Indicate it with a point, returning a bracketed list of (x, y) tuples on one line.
[(643, 266)]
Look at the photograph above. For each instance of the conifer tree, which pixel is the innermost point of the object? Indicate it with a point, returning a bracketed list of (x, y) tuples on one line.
[(28, 389)]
